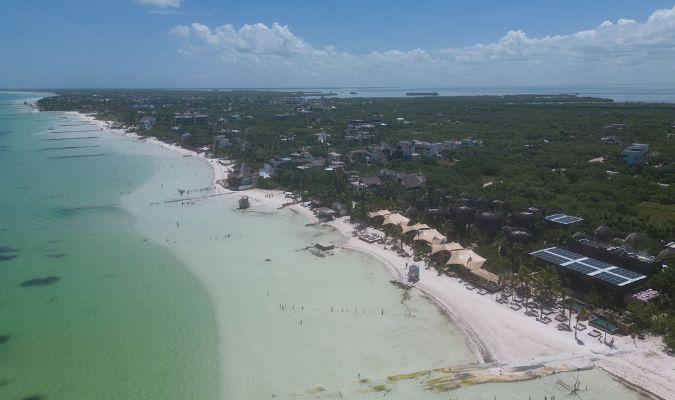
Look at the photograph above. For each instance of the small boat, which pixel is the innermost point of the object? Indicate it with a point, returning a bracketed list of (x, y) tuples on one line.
[(352, 92), (51, 128)]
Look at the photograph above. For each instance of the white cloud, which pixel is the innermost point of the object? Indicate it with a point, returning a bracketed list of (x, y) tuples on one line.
[(621, 51), (160, 3), (180, 31)]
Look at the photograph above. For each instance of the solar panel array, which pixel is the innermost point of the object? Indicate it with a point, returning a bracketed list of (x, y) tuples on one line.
[(588, 266), (563, 219)]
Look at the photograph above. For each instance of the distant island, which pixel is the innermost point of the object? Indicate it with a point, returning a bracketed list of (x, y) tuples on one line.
[(422, 94)]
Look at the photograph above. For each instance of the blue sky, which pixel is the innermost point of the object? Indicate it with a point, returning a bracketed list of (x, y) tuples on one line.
[(199, 43)]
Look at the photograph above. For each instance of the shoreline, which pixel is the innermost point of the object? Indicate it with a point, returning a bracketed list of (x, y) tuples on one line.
[(489, 328), (490, 344)]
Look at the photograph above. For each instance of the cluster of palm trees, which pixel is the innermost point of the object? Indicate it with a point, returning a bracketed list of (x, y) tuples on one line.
[(547, 288)]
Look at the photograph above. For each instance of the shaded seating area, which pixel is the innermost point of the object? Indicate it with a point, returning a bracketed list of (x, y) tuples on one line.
[(431, 236), (415, 228), (466, 258), (486, 278), (380, 213), (396, 219), (471, 263), (445, 248)]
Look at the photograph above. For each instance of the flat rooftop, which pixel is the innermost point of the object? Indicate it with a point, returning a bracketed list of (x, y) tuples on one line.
[(563, 219), (590, 267)]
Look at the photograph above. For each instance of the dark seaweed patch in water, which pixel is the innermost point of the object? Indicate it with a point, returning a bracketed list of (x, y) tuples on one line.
[(82, 156), (4, 339), (41, 281), (8, 249), (7, 257), (34, 397), (55, 255), (70, 211)]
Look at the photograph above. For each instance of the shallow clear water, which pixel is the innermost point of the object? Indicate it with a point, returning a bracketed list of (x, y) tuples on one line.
[(126, 319), (156, 301)]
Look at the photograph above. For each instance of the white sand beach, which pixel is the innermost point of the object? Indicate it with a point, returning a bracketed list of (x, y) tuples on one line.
[(494, 332), (507, 337)]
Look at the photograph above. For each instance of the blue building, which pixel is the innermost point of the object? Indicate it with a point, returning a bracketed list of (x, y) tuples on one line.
[(635, 154)]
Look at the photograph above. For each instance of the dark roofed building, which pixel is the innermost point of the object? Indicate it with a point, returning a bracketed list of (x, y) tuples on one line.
[(371, 181), (190, 118), (587, 268), (412, 181)]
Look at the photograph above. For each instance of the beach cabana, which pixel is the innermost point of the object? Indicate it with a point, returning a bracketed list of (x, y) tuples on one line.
[(396, 219), (431, 236), (414, 228), (380, 213), (485, 278), (449, 247), (467, 259)]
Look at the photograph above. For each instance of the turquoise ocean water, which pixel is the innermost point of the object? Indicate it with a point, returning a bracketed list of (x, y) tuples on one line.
[(126, 320)]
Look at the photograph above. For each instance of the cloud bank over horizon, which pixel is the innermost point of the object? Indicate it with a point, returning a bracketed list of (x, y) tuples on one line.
[(161, 4), (612, 52)]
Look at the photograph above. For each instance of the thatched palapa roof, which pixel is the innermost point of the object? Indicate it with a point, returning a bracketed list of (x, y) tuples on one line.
[(380, 213), (449, 247), (416, 227), (467, 258), (396, 219), (431, 236)]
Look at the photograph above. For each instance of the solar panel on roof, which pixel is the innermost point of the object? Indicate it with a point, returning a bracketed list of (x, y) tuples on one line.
[(563, 219), (626, 272), (552, 258), (565, 253), (597, 263), (607, 277), (584, 269), (568, 220), (588, 266)]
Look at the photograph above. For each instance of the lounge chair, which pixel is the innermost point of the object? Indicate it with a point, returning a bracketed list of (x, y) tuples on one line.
[(594, 333), (564, 327), (561, 318)]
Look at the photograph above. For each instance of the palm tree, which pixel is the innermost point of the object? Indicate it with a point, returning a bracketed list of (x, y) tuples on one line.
[(565, 294), (611, 320), (525, 282), (583, 314)]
